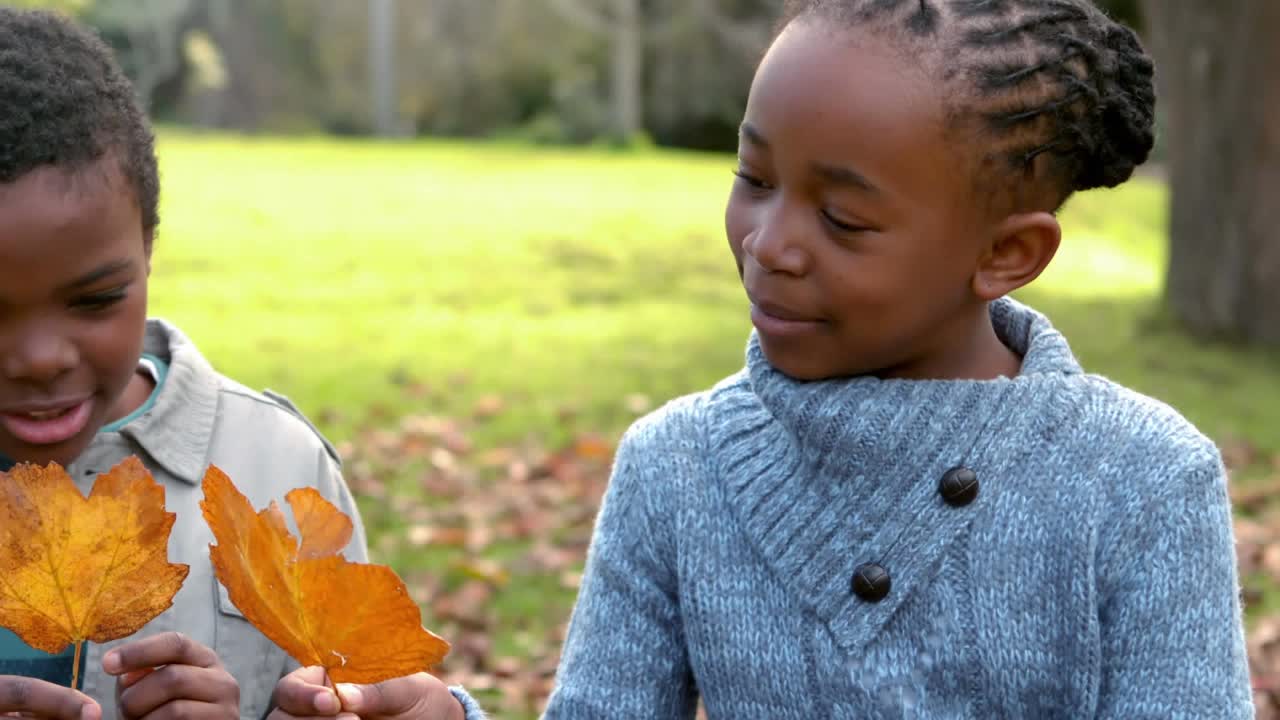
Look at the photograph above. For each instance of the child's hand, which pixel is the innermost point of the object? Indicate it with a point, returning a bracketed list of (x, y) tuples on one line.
[(28, 698), (302, 694), (171, 676)]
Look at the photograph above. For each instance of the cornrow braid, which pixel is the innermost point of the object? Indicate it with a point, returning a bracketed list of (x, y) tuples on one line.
[(1065, 94)]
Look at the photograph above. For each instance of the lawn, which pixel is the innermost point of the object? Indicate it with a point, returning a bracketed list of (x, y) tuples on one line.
[(476, 323)]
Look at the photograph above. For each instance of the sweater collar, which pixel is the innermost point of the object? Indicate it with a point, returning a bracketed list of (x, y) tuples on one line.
[(818, 411), (825, 475)]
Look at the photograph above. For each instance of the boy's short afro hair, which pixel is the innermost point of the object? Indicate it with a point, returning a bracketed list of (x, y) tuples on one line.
[(65, 102)]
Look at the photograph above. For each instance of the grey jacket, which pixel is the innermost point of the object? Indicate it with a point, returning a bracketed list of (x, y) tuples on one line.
[(267, 448)]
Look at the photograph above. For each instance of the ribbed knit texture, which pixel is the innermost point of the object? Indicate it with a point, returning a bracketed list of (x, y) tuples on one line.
[(1093, 577)]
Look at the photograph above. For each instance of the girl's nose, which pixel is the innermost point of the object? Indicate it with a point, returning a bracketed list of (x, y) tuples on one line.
[(775, 247)]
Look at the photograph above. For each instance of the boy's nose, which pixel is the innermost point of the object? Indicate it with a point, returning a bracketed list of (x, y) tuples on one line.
[(40, 358)]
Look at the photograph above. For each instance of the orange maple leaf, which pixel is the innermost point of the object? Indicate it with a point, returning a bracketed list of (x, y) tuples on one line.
[(75, 569), (357, 621)]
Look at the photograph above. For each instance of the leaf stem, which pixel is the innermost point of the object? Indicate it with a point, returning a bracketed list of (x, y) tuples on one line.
[(75, 667)]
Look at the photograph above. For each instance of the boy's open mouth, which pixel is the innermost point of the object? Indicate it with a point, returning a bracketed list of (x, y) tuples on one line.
[(48, 425)]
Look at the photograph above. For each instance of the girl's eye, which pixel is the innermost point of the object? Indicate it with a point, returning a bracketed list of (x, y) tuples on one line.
[(840, 225), (751, 180), (99, 301)]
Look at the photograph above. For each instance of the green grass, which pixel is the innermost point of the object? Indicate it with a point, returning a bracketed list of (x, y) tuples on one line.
[(568, 279), (564, 281), (330, 270)]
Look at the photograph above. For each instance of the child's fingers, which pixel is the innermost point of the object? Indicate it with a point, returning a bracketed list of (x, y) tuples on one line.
[(302, 693), (282, 715), (130, 679), (414, 695), (178, 684), (187, 710), (163, 649), (45, 700)]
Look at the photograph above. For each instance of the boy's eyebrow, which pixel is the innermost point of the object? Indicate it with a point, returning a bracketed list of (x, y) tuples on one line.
[(103, 271), (846, 177), (753, 135)]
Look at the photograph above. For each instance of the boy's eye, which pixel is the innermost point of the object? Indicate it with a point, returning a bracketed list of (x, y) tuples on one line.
[(841, 225), (99, 301), (751, 180)]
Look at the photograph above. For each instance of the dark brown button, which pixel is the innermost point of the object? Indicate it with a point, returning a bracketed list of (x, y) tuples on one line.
[(959, 486), (870, 582)]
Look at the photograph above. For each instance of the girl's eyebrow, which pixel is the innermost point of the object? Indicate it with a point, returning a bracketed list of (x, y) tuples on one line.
[(834, 174), (845, 177), (753, 135), (103, 271)]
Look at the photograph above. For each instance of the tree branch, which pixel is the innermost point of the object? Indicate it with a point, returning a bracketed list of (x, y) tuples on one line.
[(580, 14), (747, 38)]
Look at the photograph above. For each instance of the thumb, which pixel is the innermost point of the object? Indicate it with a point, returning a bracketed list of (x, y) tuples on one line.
[(392, 697), (364, 699)]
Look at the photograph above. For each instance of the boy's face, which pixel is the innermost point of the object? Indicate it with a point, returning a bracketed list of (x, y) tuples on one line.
[(73, 306), (853, 229)]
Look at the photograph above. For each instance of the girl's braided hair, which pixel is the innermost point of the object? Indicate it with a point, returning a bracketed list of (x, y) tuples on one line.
[(1063, 93)]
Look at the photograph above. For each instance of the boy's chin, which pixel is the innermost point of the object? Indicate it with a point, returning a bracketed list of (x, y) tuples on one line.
[(63, 453)]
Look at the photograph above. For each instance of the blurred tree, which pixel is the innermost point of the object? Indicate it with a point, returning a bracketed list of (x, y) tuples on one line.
[(1215, 63), (620, 22), (382, 66), (240, 68), (700, 70), (68, 6), (661, 53), (676, 69), (147, 36)]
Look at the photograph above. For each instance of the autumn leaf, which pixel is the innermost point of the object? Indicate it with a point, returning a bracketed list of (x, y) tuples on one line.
[(357, 621), (75, 569), (324, 529)]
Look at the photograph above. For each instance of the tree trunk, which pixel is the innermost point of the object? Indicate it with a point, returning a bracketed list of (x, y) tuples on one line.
[(1220, 104), (628, 51), (382, 66)]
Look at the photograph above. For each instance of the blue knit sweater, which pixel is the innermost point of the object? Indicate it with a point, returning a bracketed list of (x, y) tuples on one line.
[(1092, 575)]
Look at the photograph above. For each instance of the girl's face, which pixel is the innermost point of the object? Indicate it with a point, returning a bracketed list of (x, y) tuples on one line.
[(73, 304), (853, 221)]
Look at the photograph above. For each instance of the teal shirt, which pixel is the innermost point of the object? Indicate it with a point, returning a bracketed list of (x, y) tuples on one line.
[(16, 657)]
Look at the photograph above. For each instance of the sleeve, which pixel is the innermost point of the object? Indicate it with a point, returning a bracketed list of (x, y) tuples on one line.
[(469, 705), (625, 654), (1172, 635)]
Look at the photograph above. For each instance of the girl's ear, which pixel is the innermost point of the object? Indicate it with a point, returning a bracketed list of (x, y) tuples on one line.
[(147, 239), (1021, 248)]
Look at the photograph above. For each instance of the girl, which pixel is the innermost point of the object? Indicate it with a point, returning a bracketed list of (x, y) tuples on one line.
[(87, 380), (912, 502)]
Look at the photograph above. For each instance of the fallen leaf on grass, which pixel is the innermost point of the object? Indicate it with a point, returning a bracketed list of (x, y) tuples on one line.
[(1250, 497)]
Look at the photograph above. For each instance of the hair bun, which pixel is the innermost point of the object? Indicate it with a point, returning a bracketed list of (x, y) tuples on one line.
[(1122, 124)]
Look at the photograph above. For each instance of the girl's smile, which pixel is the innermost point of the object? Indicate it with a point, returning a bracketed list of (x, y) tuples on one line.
[(775, 319)]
